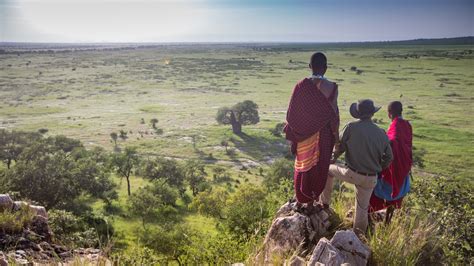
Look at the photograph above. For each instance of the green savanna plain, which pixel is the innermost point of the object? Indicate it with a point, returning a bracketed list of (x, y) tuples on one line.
[(88, 94)]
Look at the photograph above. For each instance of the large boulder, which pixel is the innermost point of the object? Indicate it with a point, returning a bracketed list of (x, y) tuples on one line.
[(354, 251), (6, 203), (284, 236), (295, 228)]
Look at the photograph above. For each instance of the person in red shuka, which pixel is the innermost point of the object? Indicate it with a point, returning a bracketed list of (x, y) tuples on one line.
[(394, 181), (312, 125)]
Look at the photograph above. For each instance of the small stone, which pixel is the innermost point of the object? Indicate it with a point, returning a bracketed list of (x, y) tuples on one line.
[(20, 252), (66, 254)]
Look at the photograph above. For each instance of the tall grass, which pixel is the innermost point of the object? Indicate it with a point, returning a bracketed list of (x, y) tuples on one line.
[(14, 222), (407, 240)]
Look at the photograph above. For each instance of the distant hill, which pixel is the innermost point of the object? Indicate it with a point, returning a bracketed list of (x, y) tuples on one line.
[(443, 41)]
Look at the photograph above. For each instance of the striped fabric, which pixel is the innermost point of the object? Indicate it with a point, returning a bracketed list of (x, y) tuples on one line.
[(307, 153)]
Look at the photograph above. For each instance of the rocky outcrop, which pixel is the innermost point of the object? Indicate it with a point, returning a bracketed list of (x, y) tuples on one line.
[(34, 243), (299, 231), (295, 227), (344, 248)]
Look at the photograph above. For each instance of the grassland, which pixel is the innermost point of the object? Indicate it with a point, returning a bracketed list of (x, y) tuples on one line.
[(89, 94)]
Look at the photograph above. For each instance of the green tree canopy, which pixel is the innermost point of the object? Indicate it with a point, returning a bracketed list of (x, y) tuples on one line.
[(246, 211), (166, 170), (56, 171), (242, 113), (195, 175), (124, 163)]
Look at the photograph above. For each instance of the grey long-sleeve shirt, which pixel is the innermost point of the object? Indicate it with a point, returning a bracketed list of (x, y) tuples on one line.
[(366, 146)]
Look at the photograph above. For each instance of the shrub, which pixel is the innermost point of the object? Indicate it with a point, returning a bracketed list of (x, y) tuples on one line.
[(14, 222), (449, 203), (247, 211), (72, 230), (278, 129)]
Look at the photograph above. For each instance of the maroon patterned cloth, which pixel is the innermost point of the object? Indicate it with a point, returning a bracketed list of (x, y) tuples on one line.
[(310, 112)]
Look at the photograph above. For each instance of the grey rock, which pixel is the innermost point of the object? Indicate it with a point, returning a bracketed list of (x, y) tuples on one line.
[(285, 235), (6, 203), (39, 210), (17, 205), (320, 222), (326, 253), (286, 209), (354, 251), (20, 252), (66, 254)]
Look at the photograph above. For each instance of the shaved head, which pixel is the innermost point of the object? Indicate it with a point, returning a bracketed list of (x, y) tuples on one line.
[(318, 63)]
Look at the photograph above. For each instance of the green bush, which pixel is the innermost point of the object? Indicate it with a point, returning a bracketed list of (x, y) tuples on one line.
[(87, 230), (449, 203), (247, 212)]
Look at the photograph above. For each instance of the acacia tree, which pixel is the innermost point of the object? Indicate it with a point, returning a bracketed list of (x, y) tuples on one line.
[(12, 143), (153, 122), (124, 163), (195, 175), (114, 137), (155, 203), (243, 113), (165, 171)]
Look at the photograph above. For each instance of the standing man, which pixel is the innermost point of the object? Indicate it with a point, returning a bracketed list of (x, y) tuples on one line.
[(312, 128), (367, 152), (394, 181)]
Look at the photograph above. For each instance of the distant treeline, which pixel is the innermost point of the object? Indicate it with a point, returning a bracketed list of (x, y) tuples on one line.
[(21, 47)]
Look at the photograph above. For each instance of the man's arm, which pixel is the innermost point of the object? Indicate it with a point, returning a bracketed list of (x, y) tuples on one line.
[(340, 146), (387, 156)]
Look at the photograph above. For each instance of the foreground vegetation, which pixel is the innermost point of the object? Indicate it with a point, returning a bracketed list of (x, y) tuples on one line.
[(127, 151)]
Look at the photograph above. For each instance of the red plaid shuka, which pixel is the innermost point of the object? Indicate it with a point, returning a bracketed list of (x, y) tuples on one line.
[(312, 128)]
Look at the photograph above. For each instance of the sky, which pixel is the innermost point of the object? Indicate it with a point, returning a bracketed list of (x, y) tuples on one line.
[(233, 20)]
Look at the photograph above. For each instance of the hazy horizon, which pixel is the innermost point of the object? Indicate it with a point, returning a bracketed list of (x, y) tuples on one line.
[(232, 21)]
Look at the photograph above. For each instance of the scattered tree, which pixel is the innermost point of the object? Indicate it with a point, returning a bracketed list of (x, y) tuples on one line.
[(154, 203), (114, 137), (243, 113), (12, 143), (165, 171), (211, 202), (195, 175), (153, 122), (124, 163)]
